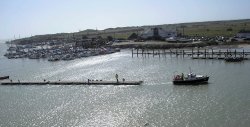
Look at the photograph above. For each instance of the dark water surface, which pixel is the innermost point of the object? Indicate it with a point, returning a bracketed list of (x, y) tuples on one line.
[(225, 101)]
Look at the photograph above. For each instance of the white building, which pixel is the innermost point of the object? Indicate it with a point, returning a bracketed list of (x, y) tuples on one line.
[(158, 33)]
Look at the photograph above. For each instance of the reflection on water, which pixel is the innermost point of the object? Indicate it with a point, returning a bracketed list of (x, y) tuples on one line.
[(222, 102)]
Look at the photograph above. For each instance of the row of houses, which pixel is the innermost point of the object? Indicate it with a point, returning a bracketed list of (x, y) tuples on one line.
[(157, 33)]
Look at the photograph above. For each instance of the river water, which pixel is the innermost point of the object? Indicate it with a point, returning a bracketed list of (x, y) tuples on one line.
[(224, 102)]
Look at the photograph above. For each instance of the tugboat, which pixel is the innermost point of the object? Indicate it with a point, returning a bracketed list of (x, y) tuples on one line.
[(190, 79)]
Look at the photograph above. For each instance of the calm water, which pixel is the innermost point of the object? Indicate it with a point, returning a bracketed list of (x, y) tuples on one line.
[(225, 101)]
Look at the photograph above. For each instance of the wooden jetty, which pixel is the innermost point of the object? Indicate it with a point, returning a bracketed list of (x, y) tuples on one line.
[(71, 83), (195, 54)]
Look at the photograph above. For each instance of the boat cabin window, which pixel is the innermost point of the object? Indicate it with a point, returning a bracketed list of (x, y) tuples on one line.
[(191, 75)]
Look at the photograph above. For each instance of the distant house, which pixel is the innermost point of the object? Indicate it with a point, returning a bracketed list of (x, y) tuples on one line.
[(244, 34), (157, 33)]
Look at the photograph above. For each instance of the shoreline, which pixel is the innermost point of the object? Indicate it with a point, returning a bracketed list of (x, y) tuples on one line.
[(167, 45)]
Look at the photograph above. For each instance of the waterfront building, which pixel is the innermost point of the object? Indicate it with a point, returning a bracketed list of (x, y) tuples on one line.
[(157, 33)]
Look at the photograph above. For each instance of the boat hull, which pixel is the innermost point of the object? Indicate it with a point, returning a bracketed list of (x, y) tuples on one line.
[(236, 59), (191, 82), (4, 77)]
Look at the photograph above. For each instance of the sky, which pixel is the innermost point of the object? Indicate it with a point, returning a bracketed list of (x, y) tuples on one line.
[(35, 17)]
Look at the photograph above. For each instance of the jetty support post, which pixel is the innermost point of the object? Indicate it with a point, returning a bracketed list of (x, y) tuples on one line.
[(235, 53), (212, 53), (176, 53), (219, 53), (243, 53), (142, 51), (159, 52), (153, 52), (192, 52), (137, 52), (164, 52), (132, 53), (227, 53), (170, 53), (198, 52), (147, 52), (205, 54)]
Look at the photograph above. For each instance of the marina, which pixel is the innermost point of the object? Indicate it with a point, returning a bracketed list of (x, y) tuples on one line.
[(55, 52), (156, 99), (127, 63)]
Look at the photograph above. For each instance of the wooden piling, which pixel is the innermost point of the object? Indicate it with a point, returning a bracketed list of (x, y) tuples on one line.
[(235, 53), (220, 53), (192, 52), (176, 52), (198, 53), (227, 53), (142, 51), (164, 53), (153, 52), (159, 53), (137, 52), (212, 53), (243, 53), (205, 54), (148, 52), (132, 53)]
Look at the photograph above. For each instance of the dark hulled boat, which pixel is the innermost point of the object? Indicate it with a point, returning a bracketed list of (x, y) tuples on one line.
[(190, 79), (4, 77), (234, 59)]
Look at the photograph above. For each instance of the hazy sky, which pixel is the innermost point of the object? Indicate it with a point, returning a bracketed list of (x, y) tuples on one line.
[(32, 17)]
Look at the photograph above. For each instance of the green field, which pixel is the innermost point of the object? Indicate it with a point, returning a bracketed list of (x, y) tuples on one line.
[(216, 28)]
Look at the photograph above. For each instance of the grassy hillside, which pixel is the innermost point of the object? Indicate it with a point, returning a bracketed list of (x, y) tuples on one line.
[(219, 28), (210, 29)]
